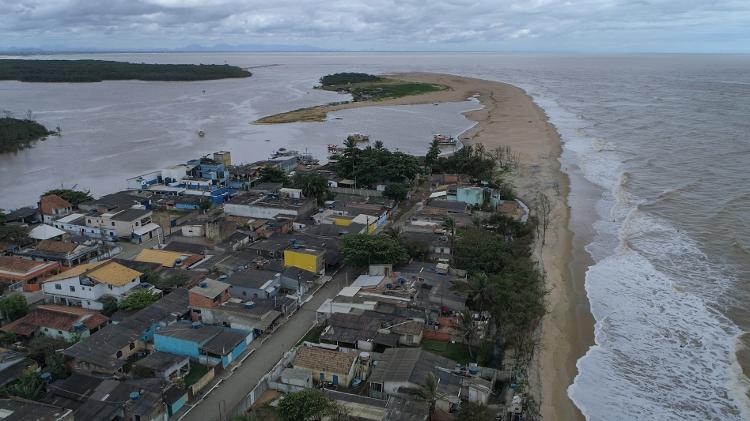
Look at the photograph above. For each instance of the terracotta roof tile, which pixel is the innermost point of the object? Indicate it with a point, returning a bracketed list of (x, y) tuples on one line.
[(324, 360), (56, 318), (48, 203), (18, 265), (56, 246)]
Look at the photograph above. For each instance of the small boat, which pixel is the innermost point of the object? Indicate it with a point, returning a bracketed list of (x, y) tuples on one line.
[(444, 140), (268, 140), (201, 133), (358, 137)]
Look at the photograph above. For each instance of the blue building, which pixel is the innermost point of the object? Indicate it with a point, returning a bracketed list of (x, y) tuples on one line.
[(209, 169), (209, 345)]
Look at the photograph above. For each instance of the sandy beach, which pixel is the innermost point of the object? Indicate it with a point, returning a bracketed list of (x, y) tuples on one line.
[(510, 117)]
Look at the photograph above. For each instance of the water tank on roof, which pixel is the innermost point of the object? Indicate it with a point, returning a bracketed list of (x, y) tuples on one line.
[(473, 368), (77, 326), (364, 356), (222, 277), (249, 304), (195, 325), (46, 377), (134, 396), (204, 284), (388, 286)]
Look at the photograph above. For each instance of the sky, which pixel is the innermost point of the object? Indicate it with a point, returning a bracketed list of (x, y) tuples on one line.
[(383, 25)]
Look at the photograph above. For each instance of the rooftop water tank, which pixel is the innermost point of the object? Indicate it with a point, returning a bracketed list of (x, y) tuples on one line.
[(134, 396)]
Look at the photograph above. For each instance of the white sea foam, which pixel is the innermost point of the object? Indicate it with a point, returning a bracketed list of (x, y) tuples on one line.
[(662, 351)]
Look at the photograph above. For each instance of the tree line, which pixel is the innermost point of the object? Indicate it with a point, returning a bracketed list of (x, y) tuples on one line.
[(100, 70)]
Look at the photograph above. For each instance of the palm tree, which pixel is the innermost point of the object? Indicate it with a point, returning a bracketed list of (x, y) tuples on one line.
[(394, 232), (379, 145), (449, 225), (468, 330), (428, 392), (478, 290)]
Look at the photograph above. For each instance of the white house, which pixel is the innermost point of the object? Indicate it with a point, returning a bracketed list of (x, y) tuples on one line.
[(123, 224), (85, 285)]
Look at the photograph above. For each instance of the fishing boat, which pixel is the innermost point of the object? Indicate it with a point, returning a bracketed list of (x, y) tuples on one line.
[(201, 133), (444, 140)]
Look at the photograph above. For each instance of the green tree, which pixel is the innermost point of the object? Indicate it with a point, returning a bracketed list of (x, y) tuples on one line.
[(432, 154), (74, 197), (272, 174), (395, 191), (109, 304), (55, 365), (138, 300), (468, 331), (205, 204), (308, 404), (518, 299), (13, 306), (28, 386), (475, 412), (480, 251), (40, 347), (362, 250), (13, 233), (478, 290), (312, 185), (449, 225), (428, 392)]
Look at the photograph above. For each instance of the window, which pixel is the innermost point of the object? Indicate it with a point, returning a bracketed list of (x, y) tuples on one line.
[(132, 345), (58, 286), (72, 288), (113, 223), (59, 332), (109, 286), (119, 354), (89, 220)]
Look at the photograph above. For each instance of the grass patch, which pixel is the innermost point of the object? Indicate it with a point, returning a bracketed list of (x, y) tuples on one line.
[(313, 335), (384, 88), (196, 372), (309, 114), (459, 352)]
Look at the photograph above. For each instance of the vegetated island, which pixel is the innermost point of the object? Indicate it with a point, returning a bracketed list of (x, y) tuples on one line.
[(100, 70), (364, 88), (17, 134)]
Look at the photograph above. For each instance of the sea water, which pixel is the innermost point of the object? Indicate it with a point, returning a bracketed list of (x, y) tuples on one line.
[(665, 137)]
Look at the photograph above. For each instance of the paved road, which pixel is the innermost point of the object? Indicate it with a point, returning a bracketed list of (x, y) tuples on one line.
[(234, 388)]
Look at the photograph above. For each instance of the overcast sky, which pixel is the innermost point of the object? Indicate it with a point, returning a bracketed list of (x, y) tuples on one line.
[(489, 25)]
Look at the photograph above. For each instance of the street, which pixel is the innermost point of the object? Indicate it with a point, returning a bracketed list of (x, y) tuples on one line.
[(266, 355)]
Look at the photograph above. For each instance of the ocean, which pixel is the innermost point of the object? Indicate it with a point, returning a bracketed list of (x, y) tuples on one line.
[(664, 140)]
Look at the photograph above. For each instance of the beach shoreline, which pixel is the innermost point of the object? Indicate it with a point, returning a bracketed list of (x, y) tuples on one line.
[(509, 117)]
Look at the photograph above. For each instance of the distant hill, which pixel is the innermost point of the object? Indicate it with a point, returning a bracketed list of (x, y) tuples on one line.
[(185, 49), (99, 70)]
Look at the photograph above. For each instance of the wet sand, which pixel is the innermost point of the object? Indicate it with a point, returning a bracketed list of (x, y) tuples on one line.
[(509, 117)]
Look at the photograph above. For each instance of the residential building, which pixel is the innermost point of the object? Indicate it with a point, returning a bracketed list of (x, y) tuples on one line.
[(46, 232), (106, 351), (400, 370), (326, 366), (116, 202), (18, 409), (267, 207), (24, 272), (58, 322), (253, 284), (168, 259), (67, 254), (133, 223), (210, 345), (53, 207), (85, 285), (209, 293), (311, 260), (26, 215), (13, 365), (169, 367)]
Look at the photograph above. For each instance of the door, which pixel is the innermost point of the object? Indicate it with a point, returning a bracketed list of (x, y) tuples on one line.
[(335, 380)]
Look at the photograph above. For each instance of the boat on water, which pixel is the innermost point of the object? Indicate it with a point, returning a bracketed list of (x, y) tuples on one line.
[(281, 152), (358, 137), (444, 140), (201, 133)]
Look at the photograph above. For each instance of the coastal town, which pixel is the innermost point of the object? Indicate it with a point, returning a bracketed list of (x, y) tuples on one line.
[(379, 286)]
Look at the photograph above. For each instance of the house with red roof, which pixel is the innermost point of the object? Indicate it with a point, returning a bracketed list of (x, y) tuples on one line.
[(59, 322), (15, 269), (53, 207)]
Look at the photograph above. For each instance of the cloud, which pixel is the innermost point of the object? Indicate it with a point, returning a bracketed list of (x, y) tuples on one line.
[(386, 24)]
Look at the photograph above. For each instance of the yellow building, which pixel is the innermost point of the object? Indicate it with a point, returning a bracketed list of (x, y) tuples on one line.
[(306, 259)]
